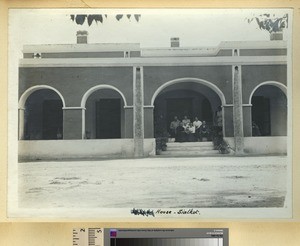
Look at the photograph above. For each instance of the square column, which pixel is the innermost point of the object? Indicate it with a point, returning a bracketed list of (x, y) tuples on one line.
[(128, 122), (238, 127), (228, 121), (138, 112), (21, 123), (72, 123), (149, 124), (247, 120)]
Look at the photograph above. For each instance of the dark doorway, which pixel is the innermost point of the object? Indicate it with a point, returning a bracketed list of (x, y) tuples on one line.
[(43, 117), (108, 118), (185, 99), (261, 114), (207, 114), (179, 107), (52, 119)]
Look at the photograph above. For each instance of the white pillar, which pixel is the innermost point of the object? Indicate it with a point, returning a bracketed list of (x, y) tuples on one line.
[(238, 111), (138, 112), (21, 123), (83, 135)]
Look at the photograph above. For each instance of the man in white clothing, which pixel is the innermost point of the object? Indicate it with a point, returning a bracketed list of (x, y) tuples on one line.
[(197, 123)]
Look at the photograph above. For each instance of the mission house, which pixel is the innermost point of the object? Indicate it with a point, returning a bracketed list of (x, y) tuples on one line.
[(103, 100)]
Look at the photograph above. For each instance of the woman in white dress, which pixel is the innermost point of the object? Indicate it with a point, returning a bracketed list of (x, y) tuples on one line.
[(186, 121)]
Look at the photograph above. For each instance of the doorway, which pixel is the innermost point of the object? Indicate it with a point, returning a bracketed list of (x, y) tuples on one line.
[(261, 114), (108, 118), (179, 107), (43, 116), (52, 119)]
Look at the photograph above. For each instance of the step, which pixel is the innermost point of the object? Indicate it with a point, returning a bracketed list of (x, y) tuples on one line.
[(189, 148), (190, 153), (173, 144)]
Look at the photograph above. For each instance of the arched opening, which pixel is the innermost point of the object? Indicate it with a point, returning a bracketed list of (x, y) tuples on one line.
[(104, 114), (43, 114), (206, 111), (269, 111), (185, 98)]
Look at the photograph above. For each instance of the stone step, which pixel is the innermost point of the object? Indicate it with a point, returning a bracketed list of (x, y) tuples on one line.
[(189, 148), (190, 153), (184, 144), (175, 149)]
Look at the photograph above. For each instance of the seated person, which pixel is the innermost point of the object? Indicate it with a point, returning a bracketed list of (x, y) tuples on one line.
[(186, 121), (197, 123), (190, 131), (204, 131), (173, 127), (180, 133)]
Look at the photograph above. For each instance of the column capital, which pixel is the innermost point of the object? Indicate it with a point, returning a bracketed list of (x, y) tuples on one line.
[(74, 108), (128, 107), (148, 106), (231, 105)]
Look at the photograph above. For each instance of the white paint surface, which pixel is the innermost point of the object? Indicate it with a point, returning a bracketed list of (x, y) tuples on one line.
[(80, 149), (263, 145)]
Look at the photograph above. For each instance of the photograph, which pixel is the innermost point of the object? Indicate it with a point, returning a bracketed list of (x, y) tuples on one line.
[(150, 113)]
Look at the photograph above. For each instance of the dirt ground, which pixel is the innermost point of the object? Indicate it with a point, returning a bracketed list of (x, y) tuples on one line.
[(155, 182)]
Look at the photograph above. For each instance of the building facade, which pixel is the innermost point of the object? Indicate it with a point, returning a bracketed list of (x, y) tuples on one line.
[(103, 100)]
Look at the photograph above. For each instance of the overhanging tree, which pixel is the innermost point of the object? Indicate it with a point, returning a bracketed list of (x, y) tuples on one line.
[(269, 23), (80, 19)]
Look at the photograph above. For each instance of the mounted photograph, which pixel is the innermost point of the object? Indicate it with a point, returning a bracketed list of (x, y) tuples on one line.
[(150, 113)]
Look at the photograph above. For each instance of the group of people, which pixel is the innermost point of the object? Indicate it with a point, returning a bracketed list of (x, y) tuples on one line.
[(187, 131)]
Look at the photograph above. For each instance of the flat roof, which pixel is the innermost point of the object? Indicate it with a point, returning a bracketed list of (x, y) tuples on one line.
[(57, 48), (109, 47)]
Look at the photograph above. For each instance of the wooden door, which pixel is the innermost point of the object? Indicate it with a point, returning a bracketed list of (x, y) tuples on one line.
[(108, 118)]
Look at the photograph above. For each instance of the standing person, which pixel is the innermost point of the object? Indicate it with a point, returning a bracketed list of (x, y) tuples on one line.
[(219, 119), (173, 127), (197, 123), (204, 131)]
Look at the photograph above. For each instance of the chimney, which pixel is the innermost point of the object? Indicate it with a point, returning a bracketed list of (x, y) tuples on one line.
[(174, 42), (276, 35), (82, 37)]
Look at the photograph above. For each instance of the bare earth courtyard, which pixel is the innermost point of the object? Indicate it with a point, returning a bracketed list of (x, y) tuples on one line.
[(155, 182)]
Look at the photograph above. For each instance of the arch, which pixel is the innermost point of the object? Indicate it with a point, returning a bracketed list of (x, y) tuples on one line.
[(99, 87), (268, 102), (279, 85), (22, 118), (32, 89), (184, 80), (86, 96)]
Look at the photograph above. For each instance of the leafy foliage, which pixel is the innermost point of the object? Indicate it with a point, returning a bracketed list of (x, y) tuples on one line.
[(81, 19), (270, 24), (161, 144)]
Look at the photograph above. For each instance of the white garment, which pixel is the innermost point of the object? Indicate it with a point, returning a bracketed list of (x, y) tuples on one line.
[(197, 124), (185, 122), (192, 129)]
